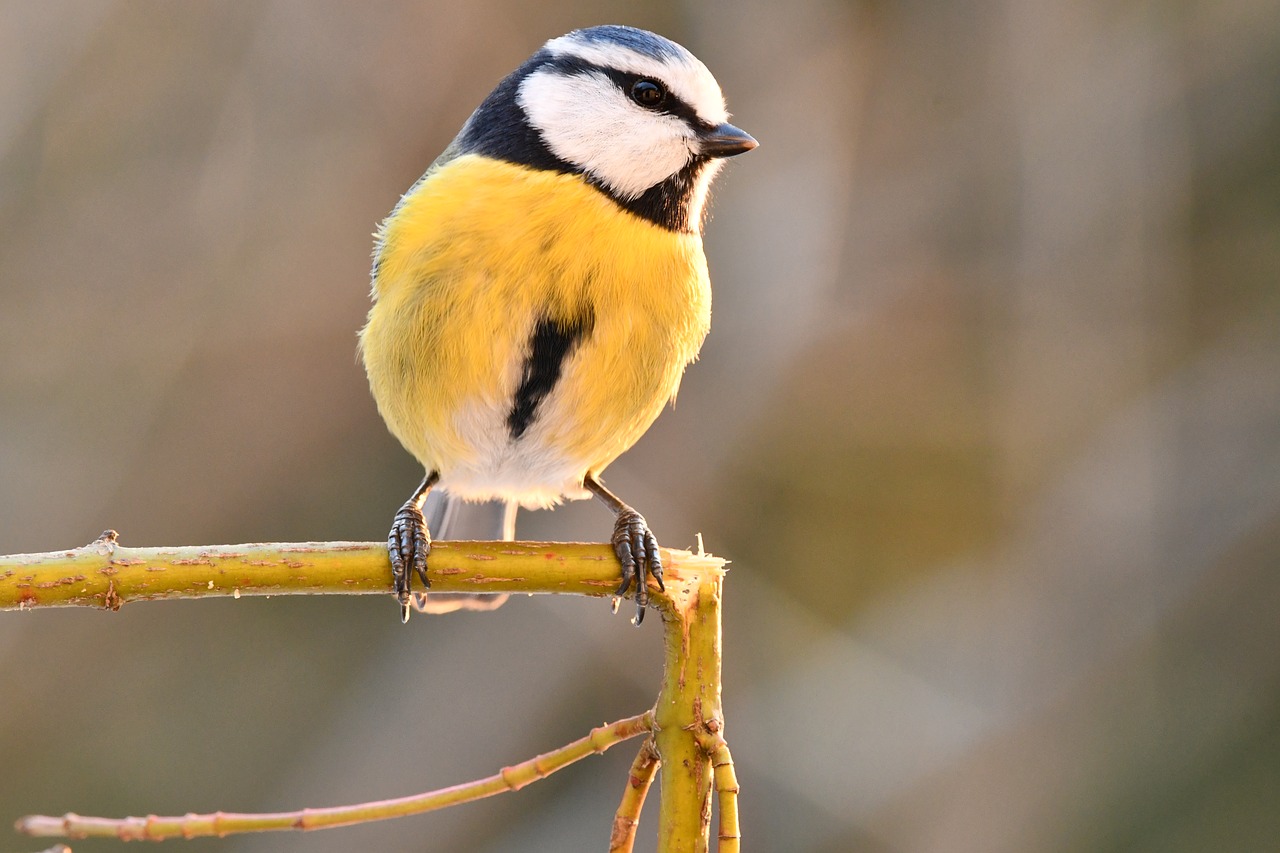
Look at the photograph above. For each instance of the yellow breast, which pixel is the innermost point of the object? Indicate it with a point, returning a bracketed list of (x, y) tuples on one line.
[(470, 261)]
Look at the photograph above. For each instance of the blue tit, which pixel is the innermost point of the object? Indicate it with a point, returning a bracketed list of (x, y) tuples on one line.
[(538, 293)]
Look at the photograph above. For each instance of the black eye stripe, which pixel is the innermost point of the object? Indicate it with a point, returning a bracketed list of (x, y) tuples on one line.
[(500, 128), (672, 104)]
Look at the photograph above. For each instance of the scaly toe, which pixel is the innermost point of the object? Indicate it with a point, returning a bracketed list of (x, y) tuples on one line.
[(638, 555), (408, 545)]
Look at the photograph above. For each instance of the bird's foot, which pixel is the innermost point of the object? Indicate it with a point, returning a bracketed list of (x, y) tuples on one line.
[(409, 543), (637, 551)]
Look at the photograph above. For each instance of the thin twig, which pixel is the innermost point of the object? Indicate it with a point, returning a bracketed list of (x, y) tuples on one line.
[(726, 785), (153, 828), (625, 822)]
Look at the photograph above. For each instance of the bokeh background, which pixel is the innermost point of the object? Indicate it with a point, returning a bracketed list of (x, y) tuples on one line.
[(988, 423)]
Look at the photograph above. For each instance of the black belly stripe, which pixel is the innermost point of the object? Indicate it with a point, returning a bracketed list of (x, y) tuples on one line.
[(550, 345)]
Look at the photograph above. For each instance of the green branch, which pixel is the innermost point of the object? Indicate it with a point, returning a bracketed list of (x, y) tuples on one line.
[(686, 721), (106, 574), (154, 828), (688, 710), (627, 819)]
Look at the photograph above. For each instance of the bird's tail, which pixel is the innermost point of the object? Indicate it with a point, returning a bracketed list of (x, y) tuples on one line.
[(450, 518)]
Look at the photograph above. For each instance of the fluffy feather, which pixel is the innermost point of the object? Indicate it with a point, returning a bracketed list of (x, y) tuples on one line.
[(471, 261)]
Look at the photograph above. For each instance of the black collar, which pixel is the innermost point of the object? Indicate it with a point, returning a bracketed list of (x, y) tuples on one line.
[(500, 129)]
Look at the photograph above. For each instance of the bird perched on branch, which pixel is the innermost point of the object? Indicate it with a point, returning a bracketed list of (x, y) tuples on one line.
[(539, 292)]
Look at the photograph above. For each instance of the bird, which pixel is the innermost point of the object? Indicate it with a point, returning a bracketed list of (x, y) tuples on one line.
[(538, 293)]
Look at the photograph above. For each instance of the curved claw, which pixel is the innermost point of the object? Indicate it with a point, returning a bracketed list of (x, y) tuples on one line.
[(408, 545), (637, 551)]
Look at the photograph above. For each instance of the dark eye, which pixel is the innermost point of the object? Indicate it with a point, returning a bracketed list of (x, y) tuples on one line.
[(648, 93)]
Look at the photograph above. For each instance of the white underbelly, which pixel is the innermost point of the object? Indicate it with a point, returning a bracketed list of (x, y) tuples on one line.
[(531, 470)]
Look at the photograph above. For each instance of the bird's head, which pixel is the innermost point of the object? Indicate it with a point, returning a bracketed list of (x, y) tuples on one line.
[(636, 114)]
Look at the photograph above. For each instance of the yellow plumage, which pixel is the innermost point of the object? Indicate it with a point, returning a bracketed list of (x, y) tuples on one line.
[(540, 291), (470, 261)]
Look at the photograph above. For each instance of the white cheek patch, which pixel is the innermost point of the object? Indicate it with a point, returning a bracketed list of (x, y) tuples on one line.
[(586, 120), (684, 73)]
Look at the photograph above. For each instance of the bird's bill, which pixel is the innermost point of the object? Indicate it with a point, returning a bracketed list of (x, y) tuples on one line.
[(726, 141)]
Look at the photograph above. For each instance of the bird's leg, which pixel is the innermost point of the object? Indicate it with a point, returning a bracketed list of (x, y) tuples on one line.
[(409, 543), (635, 545)]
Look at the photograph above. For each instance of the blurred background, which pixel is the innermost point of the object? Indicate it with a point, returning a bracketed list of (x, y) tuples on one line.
[(988, 423)]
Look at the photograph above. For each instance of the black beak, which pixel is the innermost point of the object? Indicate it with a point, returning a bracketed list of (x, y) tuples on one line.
[(725, 141)]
